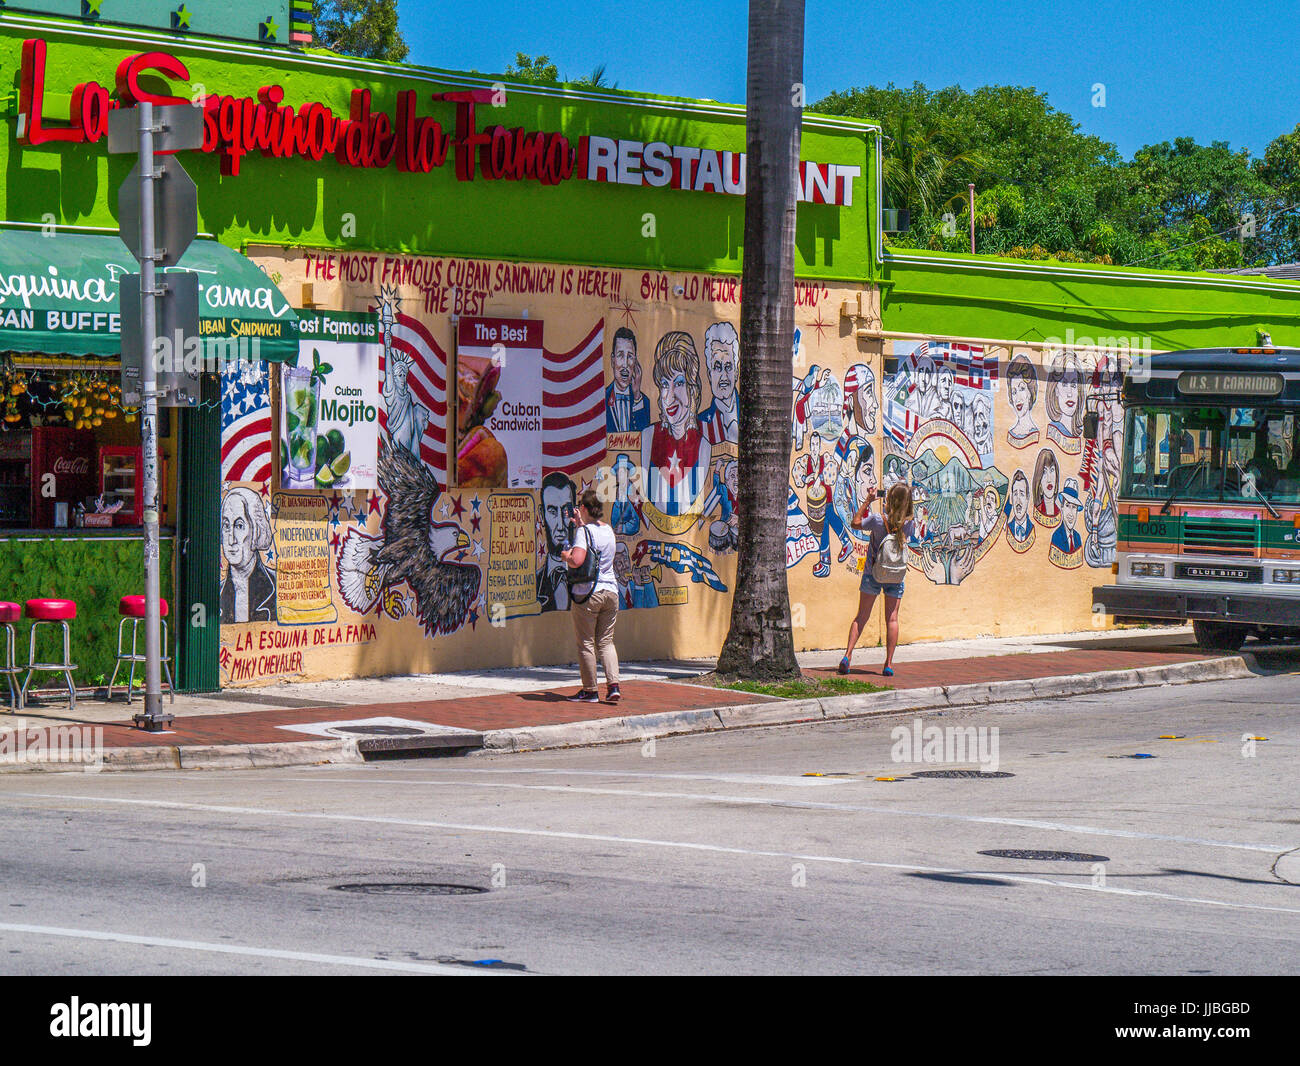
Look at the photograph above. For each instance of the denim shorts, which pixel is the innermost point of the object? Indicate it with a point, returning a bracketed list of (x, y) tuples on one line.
[(874, 588)]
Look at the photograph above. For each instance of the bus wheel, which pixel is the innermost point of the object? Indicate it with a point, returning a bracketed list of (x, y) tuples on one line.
[(1218, 636)]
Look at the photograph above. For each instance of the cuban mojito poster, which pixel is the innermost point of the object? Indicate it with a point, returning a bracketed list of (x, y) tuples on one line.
[(330, 424), (499, 403)]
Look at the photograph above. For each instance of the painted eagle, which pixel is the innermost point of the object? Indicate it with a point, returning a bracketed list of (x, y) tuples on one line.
[(414, 547)]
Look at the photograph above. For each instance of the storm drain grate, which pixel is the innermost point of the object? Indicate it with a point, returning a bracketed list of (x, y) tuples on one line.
[(961, 773), (1044, 856), (378, 730), (408, 888)]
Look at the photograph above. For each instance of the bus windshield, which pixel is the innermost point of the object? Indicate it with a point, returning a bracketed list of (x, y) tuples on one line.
[(1223, 454)]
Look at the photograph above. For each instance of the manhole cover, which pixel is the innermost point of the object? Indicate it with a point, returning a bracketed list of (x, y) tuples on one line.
[(961, 773), (377, 730), (1044, 856), (408, 888)]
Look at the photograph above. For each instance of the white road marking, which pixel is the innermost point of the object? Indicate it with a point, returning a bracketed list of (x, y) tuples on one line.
[(235, 949), (855, 808), (606, 838)]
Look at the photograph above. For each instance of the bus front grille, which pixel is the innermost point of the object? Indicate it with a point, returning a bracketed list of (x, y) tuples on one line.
[(1220, 537)]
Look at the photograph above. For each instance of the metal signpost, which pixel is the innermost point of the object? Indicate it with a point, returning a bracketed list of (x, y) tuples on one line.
[(158, 218)]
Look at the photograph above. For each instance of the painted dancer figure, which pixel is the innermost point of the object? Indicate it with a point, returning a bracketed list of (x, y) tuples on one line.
[(817, 471)]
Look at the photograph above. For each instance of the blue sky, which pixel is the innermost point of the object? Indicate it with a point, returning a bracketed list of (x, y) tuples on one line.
[(1198, 68)]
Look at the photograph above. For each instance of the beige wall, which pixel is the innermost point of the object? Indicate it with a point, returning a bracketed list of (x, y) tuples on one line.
[(1005, 592)]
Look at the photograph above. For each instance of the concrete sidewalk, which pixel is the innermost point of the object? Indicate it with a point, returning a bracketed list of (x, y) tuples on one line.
[(525, 708)]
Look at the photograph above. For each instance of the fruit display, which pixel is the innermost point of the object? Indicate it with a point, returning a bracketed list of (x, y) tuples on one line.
[(83, 398)]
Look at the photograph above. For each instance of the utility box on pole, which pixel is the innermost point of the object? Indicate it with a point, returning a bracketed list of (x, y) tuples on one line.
[(158, 218)]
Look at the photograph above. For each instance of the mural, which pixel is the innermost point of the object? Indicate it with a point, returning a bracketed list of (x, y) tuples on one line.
[(559, 498), (1022, 393), (248, 586), (1020, 526), (939, 436), (1065, 401), (724, 534), (626, 407), (1099, 470), (1046, 483), (718, 421), (413, 370), (653, 426), (675, 454), (1066, 550), (420, 545)]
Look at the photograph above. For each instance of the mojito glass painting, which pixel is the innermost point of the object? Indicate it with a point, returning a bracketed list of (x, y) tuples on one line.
[(301, 404)]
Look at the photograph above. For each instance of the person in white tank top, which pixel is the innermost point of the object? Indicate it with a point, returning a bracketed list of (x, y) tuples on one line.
[(594, 605)]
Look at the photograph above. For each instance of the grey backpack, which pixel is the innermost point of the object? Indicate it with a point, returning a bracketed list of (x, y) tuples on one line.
[(890, 566)]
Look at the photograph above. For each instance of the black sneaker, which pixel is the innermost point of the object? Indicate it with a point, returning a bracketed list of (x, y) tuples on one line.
[(586, 695), (613, 695)]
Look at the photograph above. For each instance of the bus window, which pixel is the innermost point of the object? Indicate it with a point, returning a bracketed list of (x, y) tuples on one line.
[(1264, 460)]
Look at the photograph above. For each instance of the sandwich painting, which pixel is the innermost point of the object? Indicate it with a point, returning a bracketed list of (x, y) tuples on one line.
[(498, 403)]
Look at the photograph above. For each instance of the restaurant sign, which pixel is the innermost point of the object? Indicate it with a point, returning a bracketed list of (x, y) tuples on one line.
[(237, 126)]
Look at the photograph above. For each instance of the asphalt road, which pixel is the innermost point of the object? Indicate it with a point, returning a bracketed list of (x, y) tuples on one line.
[(704, 855)]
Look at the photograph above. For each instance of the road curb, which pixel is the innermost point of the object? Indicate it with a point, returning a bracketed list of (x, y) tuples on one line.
[(664, 724), (862, 705), (197, 757)]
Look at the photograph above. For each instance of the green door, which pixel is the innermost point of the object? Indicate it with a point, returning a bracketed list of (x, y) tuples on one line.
[(197, 614)]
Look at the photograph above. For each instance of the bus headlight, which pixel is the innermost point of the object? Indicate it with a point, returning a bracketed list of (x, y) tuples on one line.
[(1286, 577), (1147, 569)]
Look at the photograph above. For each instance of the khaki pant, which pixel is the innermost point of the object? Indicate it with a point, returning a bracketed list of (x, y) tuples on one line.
[(593, 624)]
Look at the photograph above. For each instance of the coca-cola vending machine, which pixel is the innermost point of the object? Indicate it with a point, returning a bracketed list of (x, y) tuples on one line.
[(69, 455)]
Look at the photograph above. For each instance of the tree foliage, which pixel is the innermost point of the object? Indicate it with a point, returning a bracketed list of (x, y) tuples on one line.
[(364, 28), (541, 71), (1045, 190)]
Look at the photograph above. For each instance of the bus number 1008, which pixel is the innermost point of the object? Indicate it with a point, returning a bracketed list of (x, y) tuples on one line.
[(1149, 529)]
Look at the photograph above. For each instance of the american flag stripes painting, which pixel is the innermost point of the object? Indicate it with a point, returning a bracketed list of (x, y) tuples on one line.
[(573, 394), (246, 422), (427, 381)]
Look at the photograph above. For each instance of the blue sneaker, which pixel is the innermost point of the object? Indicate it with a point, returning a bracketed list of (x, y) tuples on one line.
[(888, 671), (844, 665)]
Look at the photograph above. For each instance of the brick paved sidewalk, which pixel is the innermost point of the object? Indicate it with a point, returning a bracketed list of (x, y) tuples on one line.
[(549, 706)]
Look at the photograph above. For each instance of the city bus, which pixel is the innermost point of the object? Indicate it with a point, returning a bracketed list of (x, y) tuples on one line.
[(1208, 508)]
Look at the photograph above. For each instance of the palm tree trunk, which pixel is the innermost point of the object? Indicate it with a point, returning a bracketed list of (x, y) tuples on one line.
[(760, 643)]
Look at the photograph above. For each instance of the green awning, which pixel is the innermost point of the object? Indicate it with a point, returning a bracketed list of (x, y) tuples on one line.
[(58, 295)]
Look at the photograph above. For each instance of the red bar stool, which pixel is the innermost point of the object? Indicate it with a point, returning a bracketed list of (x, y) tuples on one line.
[(51, 612), (131, 608), (9, 614)]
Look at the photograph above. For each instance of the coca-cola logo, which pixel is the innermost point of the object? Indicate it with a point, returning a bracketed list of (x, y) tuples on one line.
[(79, 465)]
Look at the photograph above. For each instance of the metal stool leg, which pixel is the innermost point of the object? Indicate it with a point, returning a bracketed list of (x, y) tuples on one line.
[(130, 680), (117, 662), (31, 658), (67, 667), (11, 668), (166, 659)]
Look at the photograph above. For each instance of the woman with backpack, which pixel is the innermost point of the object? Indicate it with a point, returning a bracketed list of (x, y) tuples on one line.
[(885, 566), (593, 589)]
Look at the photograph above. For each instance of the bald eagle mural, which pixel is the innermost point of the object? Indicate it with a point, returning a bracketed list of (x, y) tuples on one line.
[(414, 547)]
